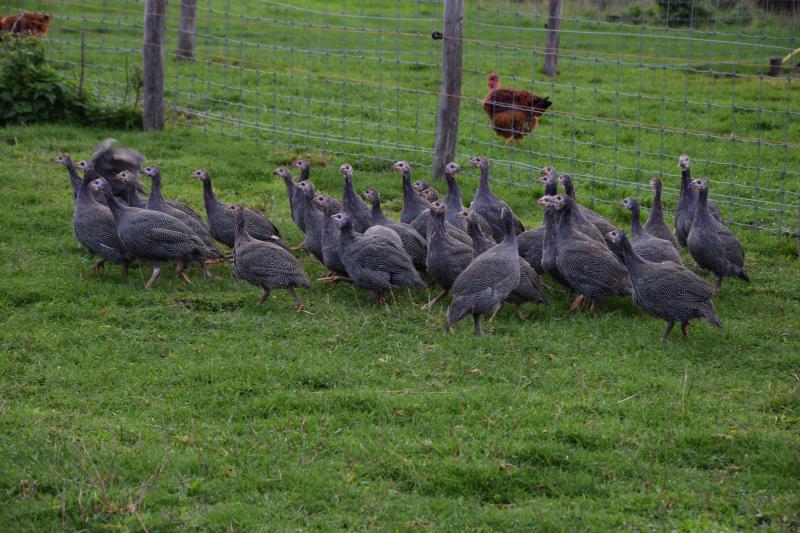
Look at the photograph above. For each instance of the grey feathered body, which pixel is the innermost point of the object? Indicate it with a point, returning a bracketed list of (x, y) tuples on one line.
[(355, 207), (489, 206), (685, 208), (330, 245), (713, 246), (648, 246), (222, 224), (422, 223), (267, 265), (413, 243), (529, 244), (413, 204), (655, 225), (447, 257), (95, 228)]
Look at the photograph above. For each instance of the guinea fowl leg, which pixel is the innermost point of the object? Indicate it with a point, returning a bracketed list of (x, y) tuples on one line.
[(125, 270), (98, 267), (478, 328), (494, 315), (667, 331), (685, 329), (206, 271), (578, 304), (180, 270), (433, 302), (264, 296), (299, 305), (593, 306), (718, 285), (301, 246), (381, 300), (154, 275)]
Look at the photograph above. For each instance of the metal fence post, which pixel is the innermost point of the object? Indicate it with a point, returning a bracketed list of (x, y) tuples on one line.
[(450, 98), (153, 69)]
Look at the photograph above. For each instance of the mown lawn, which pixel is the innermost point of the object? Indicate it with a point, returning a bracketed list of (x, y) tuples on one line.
[(189, 406)]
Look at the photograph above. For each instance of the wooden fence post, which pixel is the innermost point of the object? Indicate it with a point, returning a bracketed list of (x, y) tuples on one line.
[(153, 58), (450, 98), (186, 31), (551, 43)]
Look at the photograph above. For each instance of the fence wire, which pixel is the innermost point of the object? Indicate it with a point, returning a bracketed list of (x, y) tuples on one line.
[(637, 86)]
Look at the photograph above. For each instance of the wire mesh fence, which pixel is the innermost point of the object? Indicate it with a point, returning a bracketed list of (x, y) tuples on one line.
[(638, 84)]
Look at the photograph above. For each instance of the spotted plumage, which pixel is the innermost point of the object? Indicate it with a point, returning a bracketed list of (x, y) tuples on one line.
[(373, 263), (447, 257), (413, 243), (359, 212), (220, 218), (265, 264), (413, 204), (687, 200), (583, 213), (330, 241), (454, 203), (713, 246), (488, 280), (487, 205), (648, 246), (667, 290), (655, 224)]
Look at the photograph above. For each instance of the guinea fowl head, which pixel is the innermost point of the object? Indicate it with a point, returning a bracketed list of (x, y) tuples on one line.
[(201, 174), (699, 184), (83, 164), (320, 200), (100, 184), (301, 164), (547, 179), (565, 180), (437, 207), (371, 194), (479, 161), (493, 81), (464, 214), (340, 220), (452, 169), (64, 159), (307, 187), (238, 211), (683, 162), (629, 203), (420, 185), (401, 166), (655, 183), (346, 170), (430, 195), (123, 177), (615, 237), (282, 172), (152, 171), (547, 171)]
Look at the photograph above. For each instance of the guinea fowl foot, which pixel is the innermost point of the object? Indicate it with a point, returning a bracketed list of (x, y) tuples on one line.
[(718, 285), (300, 247), (125, 270), (494, 315), (553, 289), (578, 304), (433, 302), (593, 306), (206, 271), (478, 327), (186, 279), (333, 278), (153, 276), (381, 300), (264, 296), (298, 303), (685, 329), (521, 315), (98, 267)]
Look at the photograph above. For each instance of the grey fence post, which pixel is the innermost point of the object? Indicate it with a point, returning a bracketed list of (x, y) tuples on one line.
[(153, 58), (450, 98), (186, 31), (551, 43)]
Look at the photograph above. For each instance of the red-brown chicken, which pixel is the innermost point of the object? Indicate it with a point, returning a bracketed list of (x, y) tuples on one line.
[(514, 114), (26, 23)]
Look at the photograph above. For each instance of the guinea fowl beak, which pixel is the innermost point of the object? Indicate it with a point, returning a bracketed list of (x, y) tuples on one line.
[(543, 201)]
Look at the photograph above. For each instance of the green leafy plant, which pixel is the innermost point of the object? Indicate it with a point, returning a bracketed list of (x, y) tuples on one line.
[(32, 90), (685, 12)]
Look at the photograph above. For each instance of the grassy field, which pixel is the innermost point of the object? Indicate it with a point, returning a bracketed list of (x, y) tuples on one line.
[(189, 406)]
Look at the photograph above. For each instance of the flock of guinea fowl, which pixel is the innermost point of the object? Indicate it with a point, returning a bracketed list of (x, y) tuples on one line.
[(482, 255)]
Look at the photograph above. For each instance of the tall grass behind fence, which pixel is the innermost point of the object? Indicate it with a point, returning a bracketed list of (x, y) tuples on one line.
[(360, 80)]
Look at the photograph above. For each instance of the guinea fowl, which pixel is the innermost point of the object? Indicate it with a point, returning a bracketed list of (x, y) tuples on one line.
[(265, 264), (531, 241), (304, 166), (330, 243), (359, 212), (550, 241), (603, 225), (655, 224), (530, 288), (488, 280), (221, 222), (313, 221), (687, 200), (447, 257), (374, 263), (109, 159), (430, 195), (413, 205), (413, 243), (713, 246), (454, 203), (297, 204), (155, 236), (75, 180), (487, 204), (579, 217), (95, 228), (157, 202), (649, 247), (667, 290), (588, 267)]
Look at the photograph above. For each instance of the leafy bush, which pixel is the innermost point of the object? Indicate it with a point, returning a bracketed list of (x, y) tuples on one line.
[(31, 90), (685, 12), (636, 14)]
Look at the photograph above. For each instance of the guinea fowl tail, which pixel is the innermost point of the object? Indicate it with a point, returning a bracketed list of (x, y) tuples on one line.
[(742, 274), (711, 316)]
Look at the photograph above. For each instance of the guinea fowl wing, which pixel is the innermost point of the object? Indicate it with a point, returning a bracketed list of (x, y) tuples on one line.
[(265, 260), (589, 264)]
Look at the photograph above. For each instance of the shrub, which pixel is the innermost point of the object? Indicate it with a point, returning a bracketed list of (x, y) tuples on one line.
[(684, 12), (31, 90)]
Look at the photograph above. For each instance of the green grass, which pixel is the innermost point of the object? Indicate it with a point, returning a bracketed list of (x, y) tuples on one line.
[(191, 407)]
